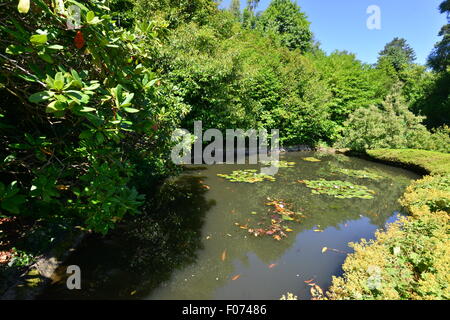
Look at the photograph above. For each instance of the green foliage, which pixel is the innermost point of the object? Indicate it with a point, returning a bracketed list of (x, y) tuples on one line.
[(176, 12), (122, 12), (433, 100), (20, 258), (339, 189), (78, 117), (353, 84), (398, 53), (235, 78), (10, 199), (285, 20), (432, 192), (412, 256), (235, 9), (431, 161), (439, 59), (78, 120), (391, 125)]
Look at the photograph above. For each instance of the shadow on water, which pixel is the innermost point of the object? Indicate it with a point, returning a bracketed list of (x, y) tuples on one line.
[(176, 251), (141, 253)]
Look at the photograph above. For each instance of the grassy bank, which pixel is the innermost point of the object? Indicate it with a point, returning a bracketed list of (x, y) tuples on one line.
[(411, 259)]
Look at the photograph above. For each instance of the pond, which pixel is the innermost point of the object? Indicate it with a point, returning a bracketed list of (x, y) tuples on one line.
[(234, 240)]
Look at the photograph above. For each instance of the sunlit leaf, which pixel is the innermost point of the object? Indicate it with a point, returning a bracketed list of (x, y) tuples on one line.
[(40, 96), (38, 39)]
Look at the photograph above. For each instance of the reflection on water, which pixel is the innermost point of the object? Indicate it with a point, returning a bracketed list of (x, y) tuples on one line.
[(189, 247)]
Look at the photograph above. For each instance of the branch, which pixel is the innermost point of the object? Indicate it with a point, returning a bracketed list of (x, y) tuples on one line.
[(14, 63)]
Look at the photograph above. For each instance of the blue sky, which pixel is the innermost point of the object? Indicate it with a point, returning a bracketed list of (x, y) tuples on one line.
[(341, 24)]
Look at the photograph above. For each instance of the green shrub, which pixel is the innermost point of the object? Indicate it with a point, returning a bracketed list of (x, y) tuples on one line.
[(81, 110), (438, 140), (352, 83), (285, 20), (391, 125), (237, 78), (411, 259)]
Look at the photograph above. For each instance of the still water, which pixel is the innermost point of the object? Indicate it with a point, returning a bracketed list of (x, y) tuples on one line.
[(200, 251)]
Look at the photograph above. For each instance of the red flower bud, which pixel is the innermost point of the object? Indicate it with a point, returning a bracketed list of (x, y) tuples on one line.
[(79, 40)]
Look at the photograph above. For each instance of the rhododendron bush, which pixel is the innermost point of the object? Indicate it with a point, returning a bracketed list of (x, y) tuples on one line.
[(84, 118)]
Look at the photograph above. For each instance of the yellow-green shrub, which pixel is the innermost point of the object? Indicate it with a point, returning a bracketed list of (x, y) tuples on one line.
[(412, 257), (432, 192)]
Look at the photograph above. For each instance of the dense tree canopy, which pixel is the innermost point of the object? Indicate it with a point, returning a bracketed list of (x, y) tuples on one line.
[(235, 8), (439, 59), (84, 110), (398, 53), (285, 19)]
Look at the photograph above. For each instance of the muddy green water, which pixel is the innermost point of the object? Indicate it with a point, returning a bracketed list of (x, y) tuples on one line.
[(207, 256)]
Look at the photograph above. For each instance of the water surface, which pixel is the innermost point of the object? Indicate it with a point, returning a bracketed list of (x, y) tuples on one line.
[(203, 254)]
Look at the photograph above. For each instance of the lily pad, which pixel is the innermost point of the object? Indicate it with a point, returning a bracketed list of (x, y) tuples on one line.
[(339, 189), (311, 159), (247, 176), (279, 164), (361, 174)]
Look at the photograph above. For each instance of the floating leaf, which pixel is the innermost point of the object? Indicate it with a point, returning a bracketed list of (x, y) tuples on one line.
[(361, 174), (224, 255), (248, 176), (278, 164), (339, 189), (311, 159), (274, 227)]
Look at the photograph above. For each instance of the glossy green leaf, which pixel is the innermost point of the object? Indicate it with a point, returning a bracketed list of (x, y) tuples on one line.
[(38, 39)]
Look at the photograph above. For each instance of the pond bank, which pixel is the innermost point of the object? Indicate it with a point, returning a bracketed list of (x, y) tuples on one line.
[(411, 259), (38, 275), (37, 278), (232, 261)]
